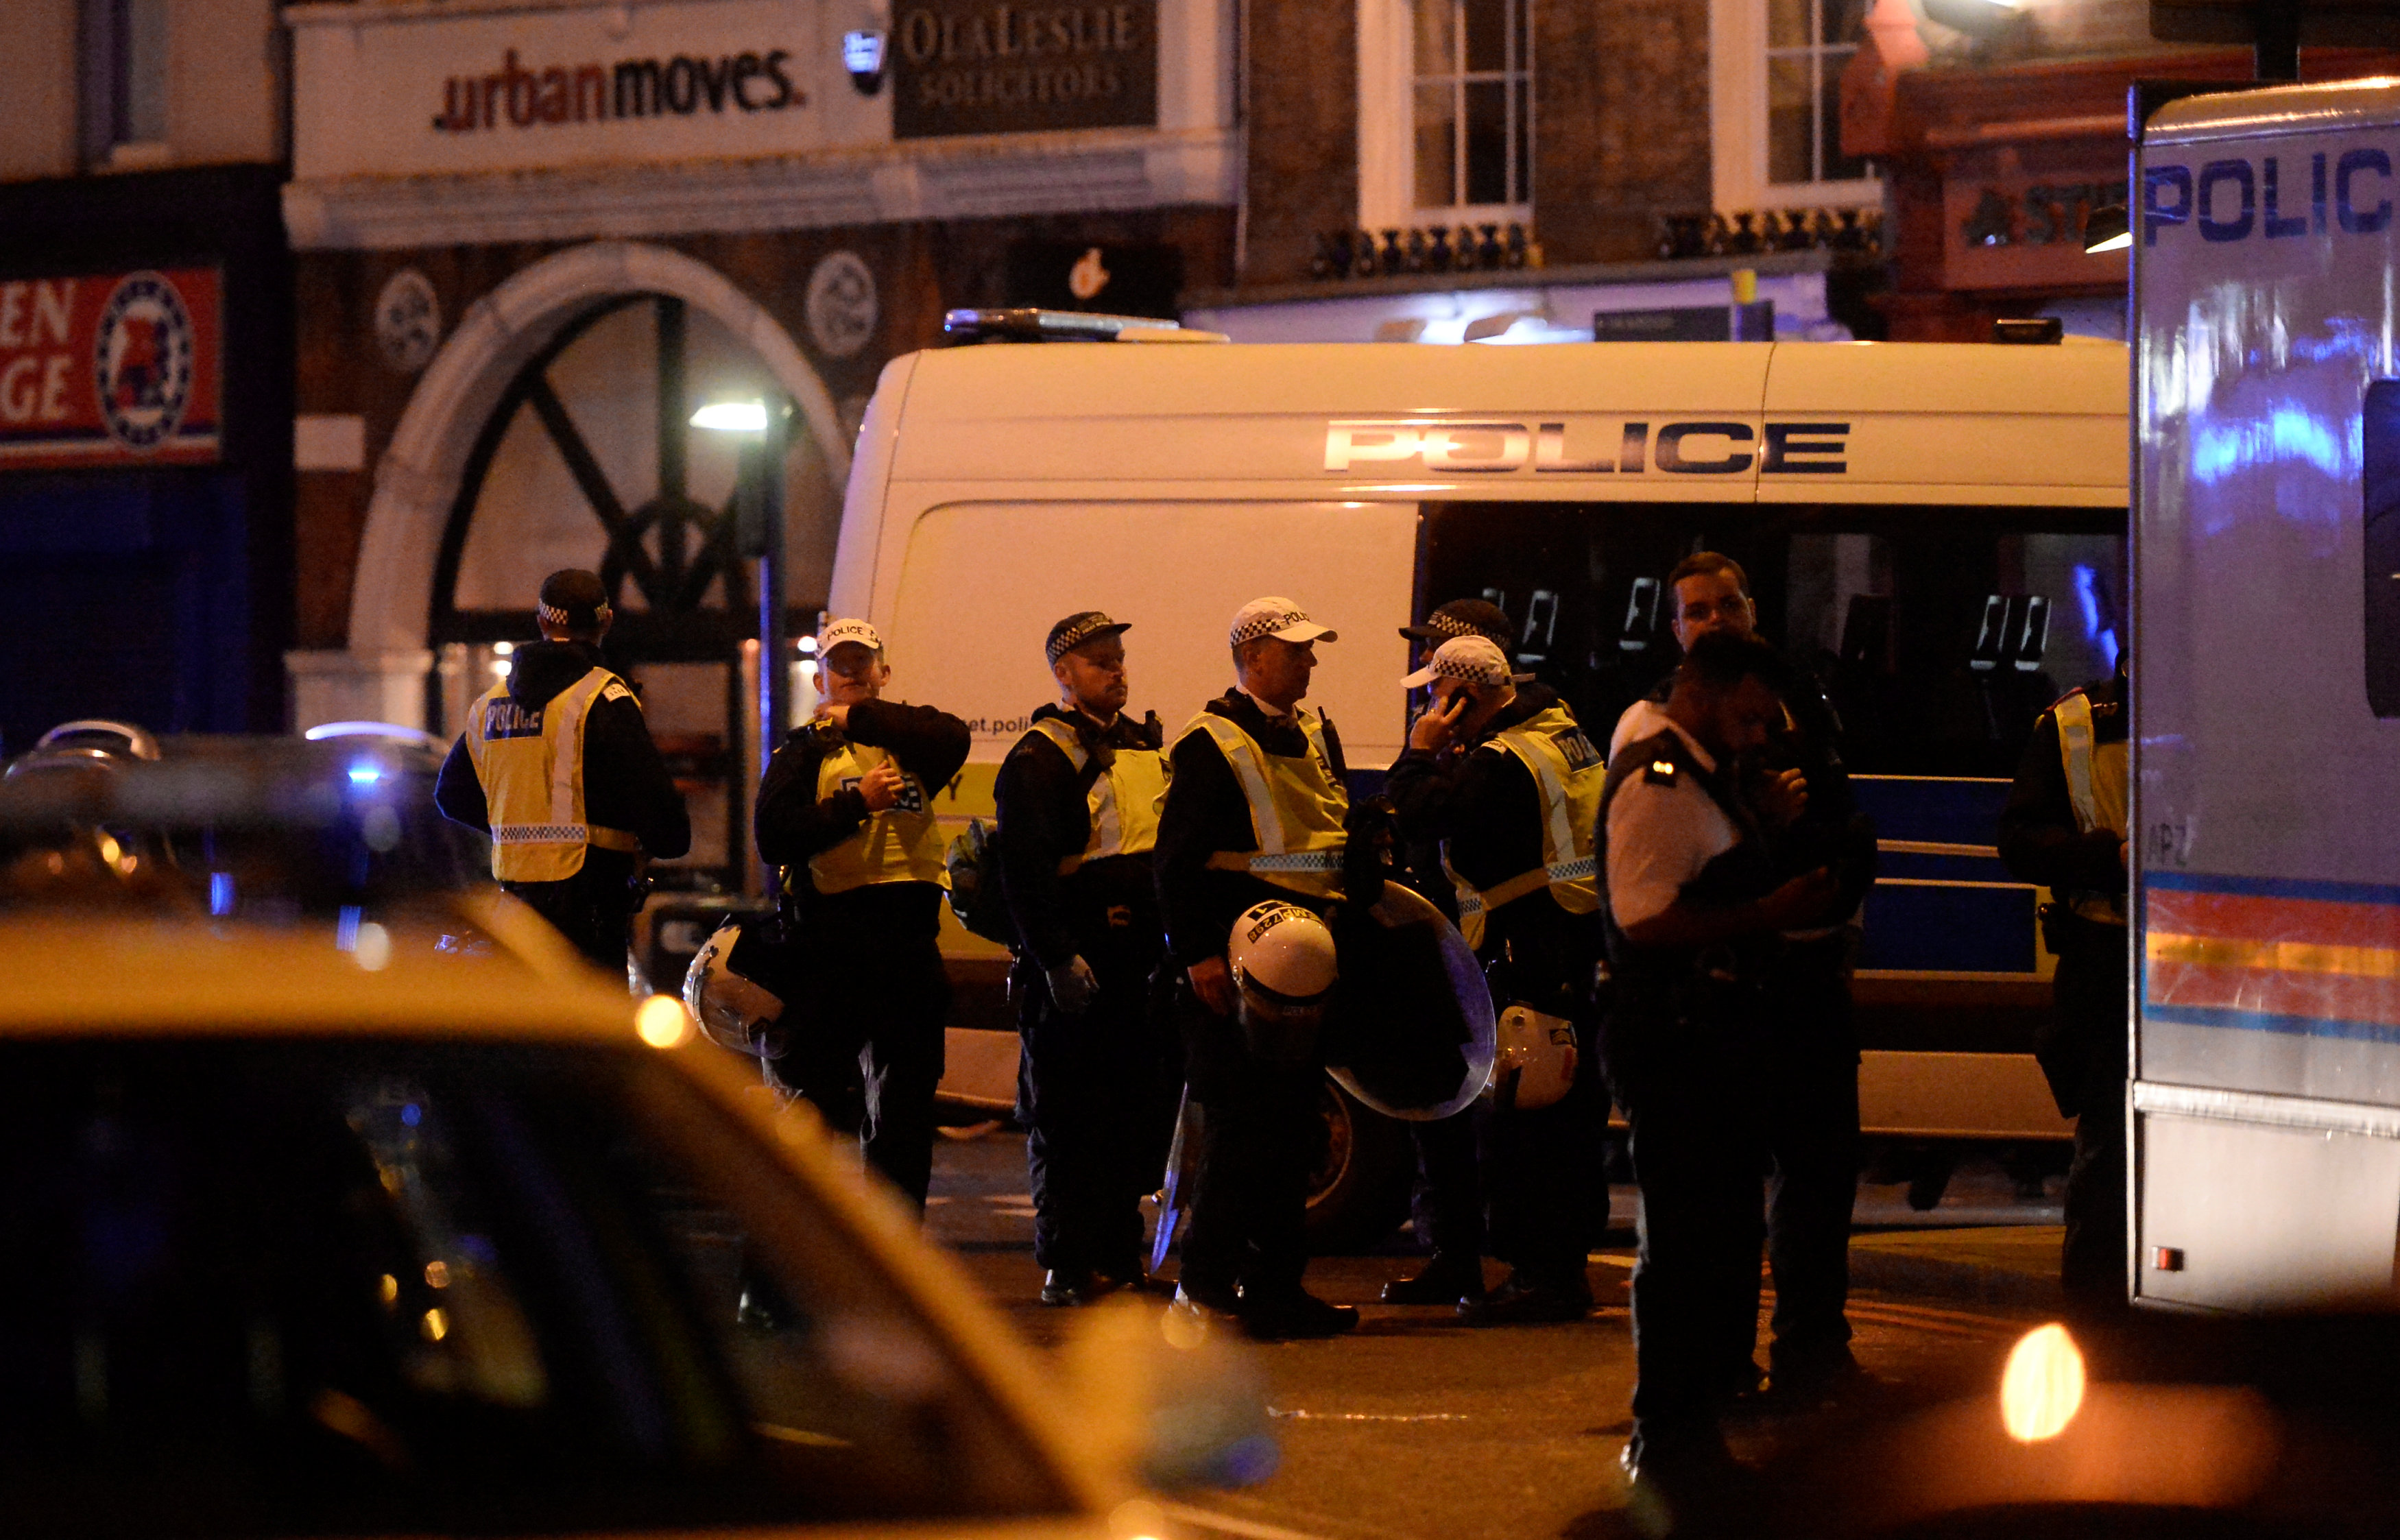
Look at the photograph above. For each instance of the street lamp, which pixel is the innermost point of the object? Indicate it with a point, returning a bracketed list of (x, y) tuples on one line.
[(758, 532)]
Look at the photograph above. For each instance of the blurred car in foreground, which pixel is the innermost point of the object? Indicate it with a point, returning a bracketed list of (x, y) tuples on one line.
[(2151, 1425), (336, 1226)]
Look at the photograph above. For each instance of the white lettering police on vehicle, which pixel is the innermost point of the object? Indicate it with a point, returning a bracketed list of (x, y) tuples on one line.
[(142, 361), (1699, 448)]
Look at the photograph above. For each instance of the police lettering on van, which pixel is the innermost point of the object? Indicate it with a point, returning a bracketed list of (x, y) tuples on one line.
[(1707, 448), (2224, 198)]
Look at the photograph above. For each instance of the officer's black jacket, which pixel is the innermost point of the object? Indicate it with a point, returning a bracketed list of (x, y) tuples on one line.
[(793, 825), (1486, 805), (1046, 816), (2039, 839), (625, 783), (1206, 812)]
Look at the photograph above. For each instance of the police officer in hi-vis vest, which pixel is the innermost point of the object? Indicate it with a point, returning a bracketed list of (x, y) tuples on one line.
[(1694, 906), (557, 764), (1078, 804), (846, 811), (1514, 809), (2064, 829), (1255, 810)]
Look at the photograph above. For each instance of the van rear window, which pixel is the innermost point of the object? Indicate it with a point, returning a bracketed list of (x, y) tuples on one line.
[(2382, 544)]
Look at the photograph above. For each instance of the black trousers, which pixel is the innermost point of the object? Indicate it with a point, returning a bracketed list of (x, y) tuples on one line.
[(1693, 1095), (1449, 1199), (870, 1017), (1811, 1106), (2086, 1056), (1098, 1094), (1545, 1176), (593, 910), (1259, 1128)]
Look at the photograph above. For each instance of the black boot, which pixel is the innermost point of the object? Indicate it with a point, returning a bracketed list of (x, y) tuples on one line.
[(1523, 1300), (1446, 1278)]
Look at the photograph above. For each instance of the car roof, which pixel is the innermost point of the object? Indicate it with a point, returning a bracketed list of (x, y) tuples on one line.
[(489, 970)]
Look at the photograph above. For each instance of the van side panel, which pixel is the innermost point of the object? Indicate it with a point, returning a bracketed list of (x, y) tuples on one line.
[(984, 581), (870, 480), (2267, 890)]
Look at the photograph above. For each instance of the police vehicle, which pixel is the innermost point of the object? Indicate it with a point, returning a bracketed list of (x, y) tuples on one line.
[(1937, 530), (2266, 919)]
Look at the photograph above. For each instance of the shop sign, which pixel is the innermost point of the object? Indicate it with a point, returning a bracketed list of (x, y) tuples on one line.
[(981, 66), (415, 90), (2026, 232), (109, 369)]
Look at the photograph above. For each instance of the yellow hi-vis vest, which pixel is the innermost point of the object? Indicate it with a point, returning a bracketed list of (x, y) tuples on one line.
[(901, 844), (1298, 808), (531, 765), (1123, 799), (2095, 784), (1570, 774)]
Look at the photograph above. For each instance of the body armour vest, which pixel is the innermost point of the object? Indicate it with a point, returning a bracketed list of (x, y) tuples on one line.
[(2095, 784), (531, 763), (1738, 874), (1569, 776), (903, 843), (1298, 808), (1123, 799)]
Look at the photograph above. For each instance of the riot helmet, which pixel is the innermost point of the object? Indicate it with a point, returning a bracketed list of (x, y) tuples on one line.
[(735, 1010), (1281, 957)]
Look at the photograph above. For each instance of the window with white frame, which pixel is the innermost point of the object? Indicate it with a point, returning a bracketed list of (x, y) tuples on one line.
[(1445, 93), (1775, 78)]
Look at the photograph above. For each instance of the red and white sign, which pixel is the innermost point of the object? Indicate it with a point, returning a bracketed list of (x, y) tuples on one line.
[(110, 369)]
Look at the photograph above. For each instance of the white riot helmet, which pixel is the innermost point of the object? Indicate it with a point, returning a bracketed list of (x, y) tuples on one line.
[(736, 1012), (1282, 962), (1536, 1062)]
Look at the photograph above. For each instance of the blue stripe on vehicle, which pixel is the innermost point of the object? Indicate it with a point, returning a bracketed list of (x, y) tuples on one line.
[(1949, 930), (1948, 810), (2272, 887), (2258, 1021)]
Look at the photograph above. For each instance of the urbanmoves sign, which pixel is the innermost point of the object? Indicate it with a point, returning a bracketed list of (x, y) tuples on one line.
[(109, 368), (1632, 448), (978, 66), (518, 96)]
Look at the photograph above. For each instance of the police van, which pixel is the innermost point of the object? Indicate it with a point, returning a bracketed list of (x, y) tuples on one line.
[(2266, 919), (1937, 531)]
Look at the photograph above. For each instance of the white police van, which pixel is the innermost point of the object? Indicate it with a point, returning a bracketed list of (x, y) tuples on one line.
[(1938, 530), (2266, 1092)]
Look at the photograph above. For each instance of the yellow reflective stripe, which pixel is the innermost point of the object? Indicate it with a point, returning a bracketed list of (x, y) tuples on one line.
[(2073, 716), (566, 765), (2283, 957), (1064, 736), (1243, 755)]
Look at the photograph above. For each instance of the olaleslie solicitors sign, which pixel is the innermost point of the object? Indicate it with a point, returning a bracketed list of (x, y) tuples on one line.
[(109, 369), (384, 88)]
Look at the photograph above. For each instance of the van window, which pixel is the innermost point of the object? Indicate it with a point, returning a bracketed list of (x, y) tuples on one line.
[(1939, 634), (2381, 541)]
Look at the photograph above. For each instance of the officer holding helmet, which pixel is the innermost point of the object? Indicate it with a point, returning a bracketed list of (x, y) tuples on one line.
[(1078, 805), (557, 764), (1812, 1109), (1513, 808), (846, 813), (1450, 1205), (1255, 813), (1695, 905)]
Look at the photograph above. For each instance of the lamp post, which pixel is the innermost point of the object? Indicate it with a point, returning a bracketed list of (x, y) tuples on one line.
[(758, 533)]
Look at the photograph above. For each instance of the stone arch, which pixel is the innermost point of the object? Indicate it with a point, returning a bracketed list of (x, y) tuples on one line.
[(418, 478)]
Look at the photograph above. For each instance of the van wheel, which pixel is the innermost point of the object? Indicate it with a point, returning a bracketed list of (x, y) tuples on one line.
[(1359, 1182)]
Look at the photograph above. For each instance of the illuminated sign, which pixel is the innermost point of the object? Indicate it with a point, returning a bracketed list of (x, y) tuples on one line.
[(109, 368), (1697, 448), (977, 66), (519, 97)]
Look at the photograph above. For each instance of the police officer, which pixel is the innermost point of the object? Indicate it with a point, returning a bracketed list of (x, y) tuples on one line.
[(1255, 811), (1514, 811), (1812, 1103), (846, 811), (557, 764), (2064, 829), (1450, 1204), (1078, 803), (1693, 907)]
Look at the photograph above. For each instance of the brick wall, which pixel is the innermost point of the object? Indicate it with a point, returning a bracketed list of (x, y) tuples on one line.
[(1302, 106), (1621, 123)]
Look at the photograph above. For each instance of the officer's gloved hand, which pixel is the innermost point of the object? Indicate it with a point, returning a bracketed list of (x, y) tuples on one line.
[(1072, 986)]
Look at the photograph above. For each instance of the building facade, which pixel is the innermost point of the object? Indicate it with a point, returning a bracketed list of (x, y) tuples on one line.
[(145, 346)]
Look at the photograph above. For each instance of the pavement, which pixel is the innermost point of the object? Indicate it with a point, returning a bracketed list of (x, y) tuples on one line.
[(1416, 1426)]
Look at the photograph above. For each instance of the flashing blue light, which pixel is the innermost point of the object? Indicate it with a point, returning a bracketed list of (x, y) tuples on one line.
[(2289, 434), (221, 894), (345, 929), (2087, 594), (412, 1115), (365, 775)]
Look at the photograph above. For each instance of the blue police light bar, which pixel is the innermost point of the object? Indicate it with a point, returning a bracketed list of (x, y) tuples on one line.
[(365, 773), (1027, 324)]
